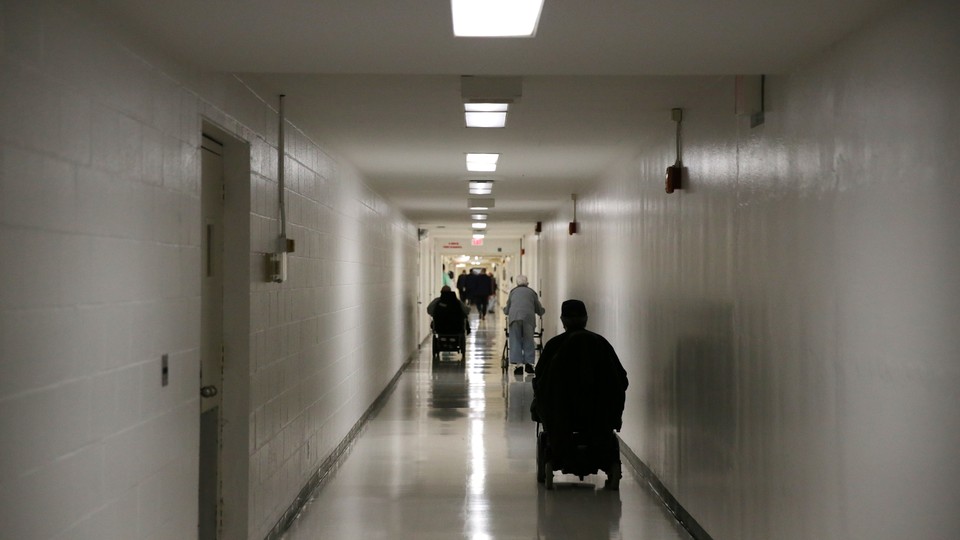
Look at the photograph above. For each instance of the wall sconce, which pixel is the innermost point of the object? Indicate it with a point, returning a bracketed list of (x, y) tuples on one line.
[(675, 171), (572, 227)]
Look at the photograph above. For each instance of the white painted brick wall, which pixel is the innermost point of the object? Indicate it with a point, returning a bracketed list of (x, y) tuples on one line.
[(788, 320), (100, 231)]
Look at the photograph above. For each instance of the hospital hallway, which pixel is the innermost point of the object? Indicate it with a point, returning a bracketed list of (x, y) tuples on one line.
[(451, 454), (227, 224)]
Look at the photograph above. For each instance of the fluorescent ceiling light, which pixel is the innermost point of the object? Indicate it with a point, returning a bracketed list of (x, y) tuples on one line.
[(481, 187), (485, 119), (478, 217), (481, 167), (495, 18), (477, 236), (486, 107), (482, 162), (480, 225), (483, 158)]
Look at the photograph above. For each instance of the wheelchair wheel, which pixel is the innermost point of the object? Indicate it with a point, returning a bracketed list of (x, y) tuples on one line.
[(548, 474)]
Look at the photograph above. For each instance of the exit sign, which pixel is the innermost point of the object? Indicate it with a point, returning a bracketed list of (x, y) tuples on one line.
[(476, 242)]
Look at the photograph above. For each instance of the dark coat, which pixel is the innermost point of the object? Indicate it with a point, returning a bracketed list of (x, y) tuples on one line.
[(463, 285), (448, 314), (580, 384), (482, 287)]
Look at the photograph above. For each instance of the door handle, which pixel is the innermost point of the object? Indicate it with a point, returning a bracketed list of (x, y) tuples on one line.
[(208, 391)]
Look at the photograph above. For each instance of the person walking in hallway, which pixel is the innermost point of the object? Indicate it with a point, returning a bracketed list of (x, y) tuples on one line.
[(522, 308), (481, 292), (447, 277), (462, 280)]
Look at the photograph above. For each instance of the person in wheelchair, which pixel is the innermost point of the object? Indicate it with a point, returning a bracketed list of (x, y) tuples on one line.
[(450, 317), (579, 394)]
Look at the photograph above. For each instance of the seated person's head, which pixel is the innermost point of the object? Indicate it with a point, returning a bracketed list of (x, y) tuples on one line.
[(445, 288), (573, 315)]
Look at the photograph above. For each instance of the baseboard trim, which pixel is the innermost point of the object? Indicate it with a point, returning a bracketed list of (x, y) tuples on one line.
[(669, 501), (336, 458)]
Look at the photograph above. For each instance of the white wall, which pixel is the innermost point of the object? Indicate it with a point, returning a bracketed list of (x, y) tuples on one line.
[(100, 238), (789, 319)]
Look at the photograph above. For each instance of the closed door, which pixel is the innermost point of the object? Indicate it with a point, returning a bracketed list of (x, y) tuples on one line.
[(211, 340)]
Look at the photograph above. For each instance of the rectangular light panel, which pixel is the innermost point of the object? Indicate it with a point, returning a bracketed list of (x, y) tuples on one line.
[(481, 187), (485, 119), (482, 162), (495, 18)]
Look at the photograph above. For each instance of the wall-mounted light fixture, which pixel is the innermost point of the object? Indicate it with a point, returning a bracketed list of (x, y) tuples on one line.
[(573, 226), (675, 171)]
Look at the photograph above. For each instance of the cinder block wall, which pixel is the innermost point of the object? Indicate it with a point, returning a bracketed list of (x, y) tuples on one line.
[(100, 237), (789, 318)]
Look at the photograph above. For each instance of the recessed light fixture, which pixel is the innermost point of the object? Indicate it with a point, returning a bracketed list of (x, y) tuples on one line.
[(478, 236), (478, 217), (486, 107), (481, 187), (495, 18), (485, 115), (479, 225), (482, 162), (485, 119)]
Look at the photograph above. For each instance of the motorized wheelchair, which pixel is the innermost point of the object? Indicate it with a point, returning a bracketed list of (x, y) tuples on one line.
[(450, 327)]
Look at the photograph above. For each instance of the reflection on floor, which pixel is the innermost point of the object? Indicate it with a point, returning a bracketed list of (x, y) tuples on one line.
[(452, 455)]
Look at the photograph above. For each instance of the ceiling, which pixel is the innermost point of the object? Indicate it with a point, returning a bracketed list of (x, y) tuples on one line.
[(378, 82)]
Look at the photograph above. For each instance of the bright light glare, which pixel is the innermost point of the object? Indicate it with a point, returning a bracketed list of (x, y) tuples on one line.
[(482, 162), (478, 217), (485, 119), (495, 18), (486, 107), (477, 236), (483, 158), (481, 187), (479, 225), (481, 167)]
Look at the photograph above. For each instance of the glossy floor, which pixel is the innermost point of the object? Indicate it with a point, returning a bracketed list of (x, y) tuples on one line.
[(452, 455)]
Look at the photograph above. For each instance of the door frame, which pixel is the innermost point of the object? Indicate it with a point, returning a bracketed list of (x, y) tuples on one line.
[(235, 402)]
